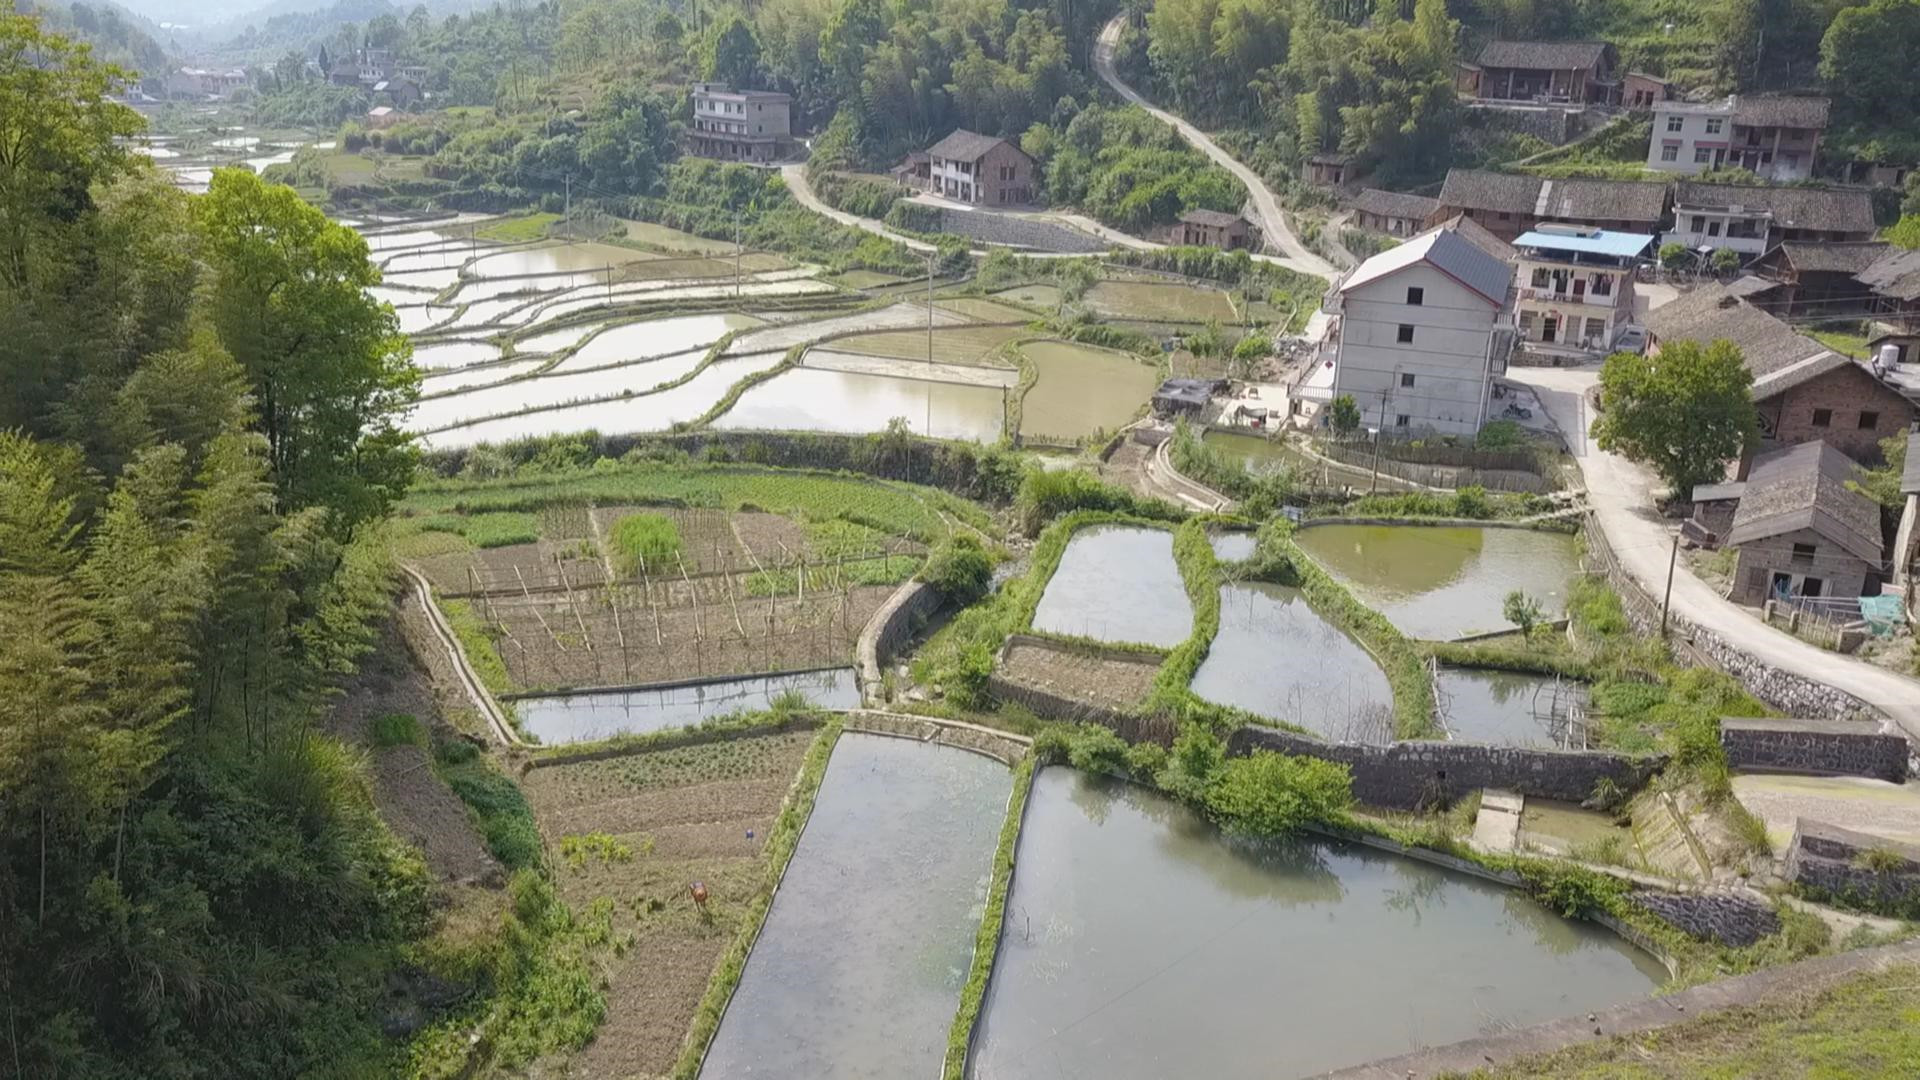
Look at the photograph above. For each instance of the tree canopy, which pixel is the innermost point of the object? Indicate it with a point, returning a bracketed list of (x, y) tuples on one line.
[(1685, 413)]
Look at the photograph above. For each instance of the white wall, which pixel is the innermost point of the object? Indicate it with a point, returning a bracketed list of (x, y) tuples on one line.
[(1447, 358), (1693, 132), (1683, 232)]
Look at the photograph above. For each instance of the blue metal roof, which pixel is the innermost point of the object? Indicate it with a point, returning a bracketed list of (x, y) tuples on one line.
[(1618, 244)]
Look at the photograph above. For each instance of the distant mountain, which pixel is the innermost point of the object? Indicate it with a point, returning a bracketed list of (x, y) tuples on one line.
[(116, 34)]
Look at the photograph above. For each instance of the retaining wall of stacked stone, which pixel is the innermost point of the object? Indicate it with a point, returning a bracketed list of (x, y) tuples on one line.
[(1814, 747), (1419, 775), (1867, 871), (1725, 917)]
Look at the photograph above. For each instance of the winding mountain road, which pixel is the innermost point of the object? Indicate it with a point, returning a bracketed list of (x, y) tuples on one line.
[(1294, 254), (796, 177)]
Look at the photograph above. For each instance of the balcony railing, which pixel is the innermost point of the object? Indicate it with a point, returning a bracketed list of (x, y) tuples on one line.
[(1593, 299)]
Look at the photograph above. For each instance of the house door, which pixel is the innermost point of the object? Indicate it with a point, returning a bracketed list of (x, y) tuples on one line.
[(1719, 158), (1579, 288), (1549, 328), (1810, 586)]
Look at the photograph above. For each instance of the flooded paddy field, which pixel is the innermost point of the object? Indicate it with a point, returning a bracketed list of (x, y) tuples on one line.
[(437, 413), (1233, 546), (453, 354), (1118, 584), (1040, 296), (598, 714), (447, 380), (1440, 583), (858, 969), (654, 338), (1278, 658), (1155, 301), (1081, 389), (1507, 708), (951, 344), (817, 399), (1141, 943)]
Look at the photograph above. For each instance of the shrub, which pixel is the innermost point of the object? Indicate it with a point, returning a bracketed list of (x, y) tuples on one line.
[(1052, 745), (644, 541), (505, 820), (1146, 761), (960, 569), (1097, 749), (1522, 611), (395, 729), (1501, 435), (1046, 495), (1344, 414), (1268, 794)]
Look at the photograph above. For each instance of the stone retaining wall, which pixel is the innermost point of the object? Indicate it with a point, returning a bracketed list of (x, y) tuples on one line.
[(1724, 917), (1419, 775), (891, 627), (1834, 862), (1814, 747), (992, 228), (1052, 706)]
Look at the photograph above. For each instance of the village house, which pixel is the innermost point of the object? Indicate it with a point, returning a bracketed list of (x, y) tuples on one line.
[(1775, 137), (1802, 390), (383, 116), (400, 92), (1640, 92), (1801, 531), (1906, 541), (1508, 204), (1421, 331), (1391, 212), (1328, 169), (1894, 280), (1576, 287), (1817, 279), (1210, 228), (1542, 73), (1751, 220), (740, 125), (204, 84), (985, 170)]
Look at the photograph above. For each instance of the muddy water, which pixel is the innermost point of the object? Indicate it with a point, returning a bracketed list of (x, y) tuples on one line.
[(1259, 454), (858, 970), (1233, 546), (1140, 943), (1503, 708), (813, 399), (548, 260), (1117, 583), (1443, 583), (454, 354), (1276, 657), (643, 412), (549, 390), (565, 718), (655, 337), (1081, 389)]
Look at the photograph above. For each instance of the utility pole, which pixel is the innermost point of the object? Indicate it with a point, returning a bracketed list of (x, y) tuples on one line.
[(736, 254), (1665, 601), (569, 182), (928, 431)]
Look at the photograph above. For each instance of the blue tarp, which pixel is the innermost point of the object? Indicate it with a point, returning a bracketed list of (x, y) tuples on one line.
[(1622, 245), (1883, 614)]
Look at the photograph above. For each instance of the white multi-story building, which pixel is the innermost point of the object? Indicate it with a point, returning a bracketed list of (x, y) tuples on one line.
[(1576, 287), (1420, 332), (1773, 137), (740, 125)]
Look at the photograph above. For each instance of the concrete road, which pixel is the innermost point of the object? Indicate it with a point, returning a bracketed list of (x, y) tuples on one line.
[(1296, 255), (796, 177), (1621, 494)]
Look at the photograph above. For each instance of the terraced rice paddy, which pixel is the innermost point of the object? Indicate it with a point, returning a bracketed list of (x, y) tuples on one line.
[(1117, 584), (1153, 301), (814, 399), (1081, 389), (950, 344)]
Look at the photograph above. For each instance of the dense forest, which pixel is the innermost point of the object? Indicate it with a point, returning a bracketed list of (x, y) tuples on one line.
[(196, 455)]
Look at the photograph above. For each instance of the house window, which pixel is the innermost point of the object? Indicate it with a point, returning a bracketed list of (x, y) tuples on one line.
[(1702, 155), (1699, 223), (1803, 551), (1539, 277), (1674, 123), (1405, 334), (1791, 161), (1416, 296), (1713, 228), (1401, 420), (1714, 124), (1504, 216), (1406, 378), (1596, 329), (1822, 417), (1526, 324), (1869, 421), (1670, 152)]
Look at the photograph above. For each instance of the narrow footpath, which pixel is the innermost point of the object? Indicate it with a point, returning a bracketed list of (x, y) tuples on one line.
[(1621, 494), (1295, 255)]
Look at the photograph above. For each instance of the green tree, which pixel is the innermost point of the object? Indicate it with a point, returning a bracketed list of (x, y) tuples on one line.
[(1522, 611), (1725, 260), (1905, 232), (57, 132), (731, 53), (1882, 482), (1269, 794), (331, 373), (1866, 57), (1343, 415), (1684, 413), (1675, 256)]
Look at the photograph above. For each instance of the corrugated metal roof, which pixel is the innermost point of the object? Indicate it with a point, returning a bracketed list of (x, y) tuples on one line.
[(1601, 242), (1448, 251)]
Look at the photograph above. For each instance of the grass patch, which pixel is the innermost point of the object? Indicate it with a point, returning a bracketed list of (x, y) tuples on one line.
[(477, 642), (986, 941), (886, 570), (1200, 572), (396, 729), (1868, 1025), (519, 230), (781, 841), (643, 540), (499, 811), (487, 529)]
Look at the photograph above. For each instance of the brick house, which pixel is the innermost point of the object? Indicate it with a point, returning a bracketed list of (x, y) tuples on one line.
[(740, 125), (1750, 220), (1642, 91), (1817, 279), (1802, 532), (1508, 204), (1391, 212), (1210, 228), (1802, 390), (1543, 72), (985, 170)]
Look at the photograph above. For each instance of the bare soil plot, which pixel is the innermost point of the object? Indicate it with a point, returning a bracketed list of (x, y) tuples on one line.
[(1154, 300), (547, 564), (647, 232), (1109, 679), (983, 310), (676, 816)]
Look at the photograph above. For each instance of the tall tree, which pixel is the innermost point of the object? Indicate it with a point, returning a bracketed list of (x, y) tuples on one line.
[(1685, 414)]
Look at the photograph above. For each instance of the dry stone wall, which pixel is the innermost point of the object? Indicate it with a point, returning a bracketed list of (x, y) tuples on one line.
[(1728, 918), (1867, 871), (1814, 747)]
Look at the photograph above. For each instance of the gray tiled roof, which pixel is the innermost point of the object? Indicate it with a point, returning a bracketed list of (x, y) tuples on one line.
[(1447, 250), (1587, 200), (1215, 218), (1558, 55), (1477, 189), (1831, 210), (1395, 204), (964, 145), (1476, 234), (1805, 487), (1768, 110), (1843, 257), (1895, 273), (1714, 312)]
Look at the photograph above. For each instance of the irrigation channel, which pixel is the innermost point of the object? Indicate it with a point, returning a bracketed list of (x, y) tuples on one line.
[(1140, 942)]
